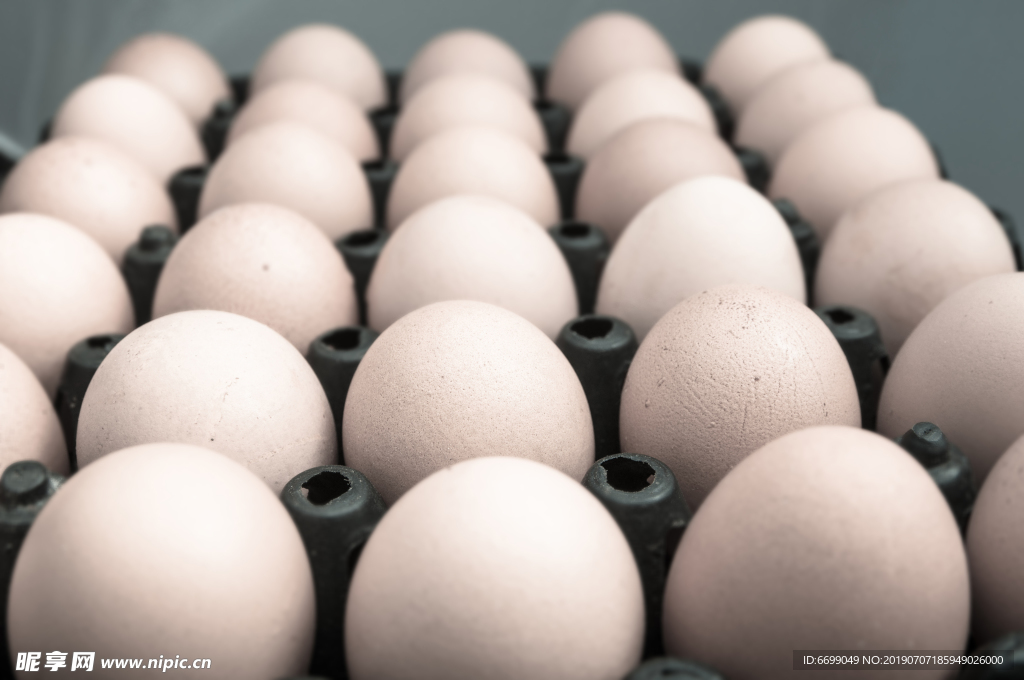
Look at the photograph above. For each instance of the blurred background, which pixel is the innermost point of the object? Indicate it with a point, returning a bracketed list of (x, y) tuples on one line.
[(955, 68)]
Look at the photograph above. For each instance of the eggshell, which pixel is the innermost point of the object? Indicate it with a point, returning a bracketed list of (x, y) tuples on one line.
[(460, 100), (457, 380), (213, 379), (604, 46), (700, 233), (754, 51), (473, 160), (263, 262), (725, 372), (135, 117), (91, 185), (296, 167), (467, 51), (472, 248), (57, 287), (312, 104), (436, 595), (845, 157), (795, 100), (167, 548), (831, 538), (962, 368), (632, 97), (329, 55), (643, 160), (995, 547), (29, 429), (178, 67), (900, 251)]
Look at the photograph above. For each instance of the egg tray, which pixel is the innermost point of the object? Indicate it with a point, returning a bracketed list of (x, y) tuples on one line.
[(336, 508)]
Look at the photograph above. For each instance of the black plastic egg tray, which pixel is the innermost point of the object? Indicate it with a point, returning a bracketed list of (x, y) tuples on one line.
[(335, 508)]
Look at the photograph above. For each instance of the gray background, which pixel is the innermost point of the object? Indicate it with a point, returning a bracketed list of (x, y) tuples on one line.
[(954, 68)]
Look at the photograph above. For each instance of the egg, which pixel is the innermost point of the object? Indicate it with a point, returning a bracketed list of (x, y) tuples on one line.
[(751, 53), (995, 548), (29, 429), (726, 371), (465, 100), (313, 104), (643, 160), (57, 286), (462, 379), (700, 233), (796, 99), (830, 538), (326, 54), (604, 46), (473, 160), (900, 251), (167, 548), (296, 167), (264, 262), (211, 379), (497, 568), (91, 185), (463, 52), (962, 368), (845, 157), (134, 116), (178, 67), (632, 97), (472, 248)]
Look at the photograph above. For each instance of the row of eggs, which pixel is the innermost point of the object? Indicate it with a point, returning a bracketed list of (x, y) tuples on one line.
[(426, 368)]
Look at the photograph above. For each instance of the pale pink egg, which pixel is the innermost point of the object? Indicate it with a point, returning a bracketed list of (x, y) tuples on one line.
[(180, 68), (467, 51), (135, 117), (310, 103), (633, 97), (601, 48), (329, 55), (465, 100)]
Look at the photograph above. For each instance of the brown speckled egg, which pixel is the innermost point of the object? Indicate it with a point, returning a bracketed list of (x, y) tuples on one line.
[(643, 160), (294, 166), (137, 118), (510, 567), (457, 380), (795, 100), (180, 68), (995, 548), (473, 160), (466, 51), (216, 380), (264, 262), (57, 286), (602, 47), (167, 548), (472, 248), (754, 51), (329, 55), (831, 538), (962, 368), (312, 104), (900, 251), (29, 429), (725, 372), (91, 185), (701, 233), (632, 97), (461, 100), (845, 157)]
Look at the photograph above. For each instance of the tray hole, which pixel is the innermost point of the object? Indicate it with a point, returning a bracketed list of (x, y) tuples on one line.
[(343, 340), (840, 316), (593, 329), (625, 474), (324, 487)]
